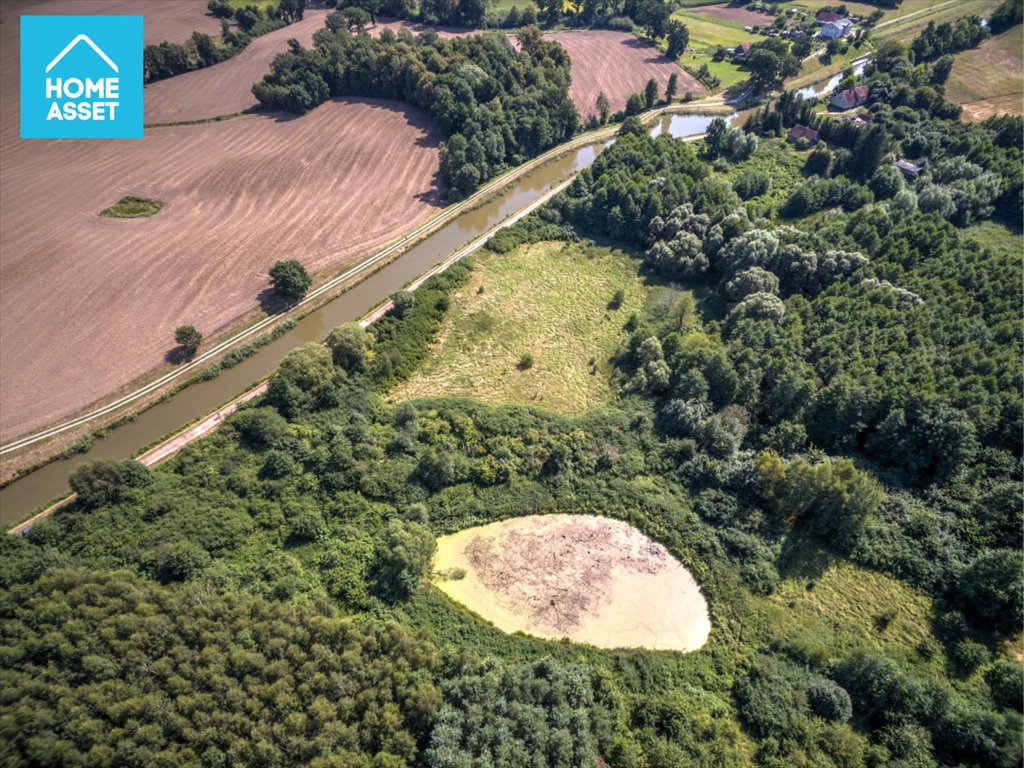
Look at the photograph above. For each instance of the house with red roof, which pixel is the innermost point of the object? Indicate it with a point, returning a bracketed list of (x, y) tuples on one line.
[(850, 98), (798, 132)]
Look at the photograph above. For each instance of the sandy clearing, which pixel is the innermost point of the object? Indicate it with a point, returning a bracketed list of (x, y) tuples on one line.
[(173, 20), (225, 88), (590, 579), (618, 64), (735, 15), (90, 303)]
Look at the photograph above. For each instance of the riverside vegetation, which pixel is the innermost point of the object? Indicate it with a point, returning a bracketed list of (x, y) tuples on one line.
[(816, 408)]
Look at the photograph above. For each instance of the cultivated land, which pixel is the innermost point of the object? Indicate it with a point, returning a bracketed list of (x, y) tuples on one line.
[(988, 80), (225, 88), (590, 579), (735, 15), (91, 303), (548, 299), (617, 64), (173, 20)]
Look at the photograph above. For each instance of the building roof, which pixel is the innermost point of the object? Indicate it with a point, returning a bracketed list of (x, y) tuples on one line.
[(798, 132), (841, 23), (908, 167), (743, 48), (824, 17), (851, 97)]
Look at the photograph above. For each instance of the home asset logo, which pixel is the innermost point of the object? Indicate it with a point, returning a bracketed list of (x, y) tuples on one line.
[(81, 77)]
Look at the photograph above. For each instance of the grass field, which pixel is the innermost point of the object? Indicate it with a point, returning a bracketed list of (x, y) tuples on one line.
[(706, 34), (550, 300), (835, 608), (988, 80), (903, 28), (132, 208)]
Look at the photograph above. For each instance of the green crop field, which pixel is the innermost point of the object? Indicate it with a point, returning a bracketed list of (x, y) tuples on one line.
[(550, 300)]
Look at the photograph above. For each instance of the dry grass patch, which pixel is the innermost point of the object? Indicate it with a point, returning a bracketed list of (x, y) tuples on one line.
[(546, 302), (989, 80)]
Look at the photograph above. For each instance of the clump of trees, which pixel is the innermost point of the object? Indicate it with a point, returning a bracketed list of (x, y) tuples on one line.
[(188, 338), (496, 106)]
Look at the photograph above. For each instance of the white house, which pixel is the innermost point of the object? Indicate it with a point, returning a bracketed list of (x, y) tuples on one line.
[(833, 30)]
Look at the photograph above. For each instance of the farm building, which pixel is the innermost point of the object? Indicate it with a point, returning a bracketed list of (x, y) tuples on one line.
[(798, 132), (741, 50), (834, 30), (850, 98)]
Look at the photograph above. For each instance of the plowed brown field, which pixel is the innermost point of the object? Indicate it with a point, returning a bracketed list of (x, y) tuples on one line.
[(617, 64), (736, 15), (173, 20), (225, 88), (90, 303)]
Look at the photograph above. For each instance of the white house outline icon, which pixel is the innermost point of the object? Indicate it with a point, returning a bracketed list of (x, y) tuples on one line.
[(72, 44)]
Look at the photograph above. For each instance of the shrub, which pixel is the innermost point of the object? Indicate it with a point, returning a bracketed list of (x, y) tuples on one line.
[(525, 362), (829, 700)]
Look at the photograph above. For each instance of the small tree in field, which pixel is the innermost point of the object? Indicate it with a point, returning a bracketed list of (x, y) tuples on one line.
[(290, 279), (604, 108), (672, 87), (188, 338)]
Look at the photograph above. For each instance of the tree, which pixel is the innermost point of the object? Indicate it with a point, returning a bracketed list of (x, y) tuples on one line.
[(671, 87), (992, 587), (651, 93), (634, 105), (402, 558), (349, 345), (104, 482), (678, 38), (402, 302), (188, 338), (290, 279), (603, 107)]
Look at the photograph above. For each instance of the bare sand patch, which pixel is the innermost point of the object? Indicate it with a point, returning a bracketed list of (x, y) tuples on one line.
[(589, 579)]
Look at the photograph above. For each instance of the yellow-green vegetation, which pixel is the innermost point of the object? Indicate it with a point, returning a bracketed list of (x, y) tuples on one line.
[(988, 79), (132, 208), (999, 238), (836, 608), (905, 27), (553, 301), (707, 34)]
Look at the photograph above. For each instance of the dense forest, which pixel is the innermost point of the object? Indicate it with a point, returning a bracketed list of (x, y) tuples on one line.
[(825, 376), (496, 106)]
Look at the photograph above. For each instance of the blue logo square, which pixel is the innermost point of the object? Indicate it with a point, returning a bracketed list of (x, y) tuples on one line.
[(81, 77)]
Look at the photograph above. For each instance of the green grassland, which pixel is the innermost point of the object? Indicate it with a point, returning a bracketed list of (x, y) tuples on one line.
[(707, 34), (132, 208), (904, 28), (550, 300)]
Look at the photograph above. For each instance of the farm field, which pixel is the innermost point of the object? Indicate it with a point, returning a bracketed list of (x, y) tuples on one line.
[(988, 79), (903, 26), (549, 300), (617, 64), (590, 579), (173, 21), (225, 88), (735, 15), (238, 195)]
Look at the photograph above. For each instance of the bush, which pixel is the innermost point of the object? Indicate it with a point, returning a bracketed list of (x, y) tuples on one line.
[(104, 482), (525, 362), (1005, 680), (970, 654), (829, 700)]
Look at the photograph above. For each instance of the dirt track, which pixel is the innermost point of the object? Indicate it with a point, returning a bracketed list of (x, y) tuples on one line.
[(91, 303), (619, 65)]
